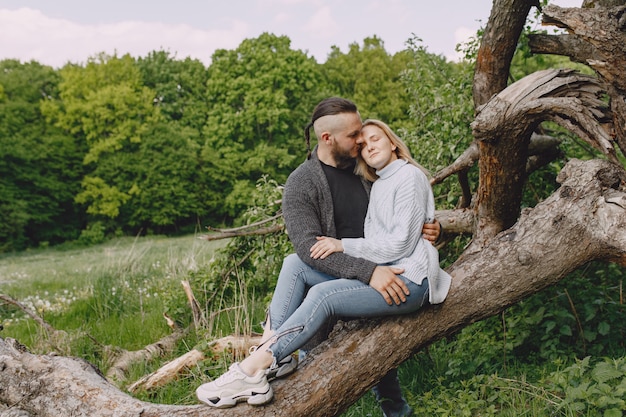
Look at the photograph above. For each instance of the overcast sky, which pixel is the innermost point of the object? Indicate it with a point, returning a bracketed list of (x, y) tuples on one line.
[(54, 32)]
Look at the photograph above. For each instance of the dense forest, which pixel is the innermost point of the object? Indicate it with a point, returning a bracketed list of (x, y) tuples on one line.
[(156, 145)]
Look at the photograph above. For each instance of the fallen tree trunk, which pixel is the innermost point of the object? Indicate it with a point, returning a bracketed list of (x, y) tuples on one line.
[(123, 361), (585, 219), (238, 346)]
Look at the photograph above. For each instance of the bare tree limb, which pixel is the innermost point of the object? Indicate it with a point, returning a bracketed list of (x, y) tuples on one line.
[(197, 312), (601, 30), (236, 345), (503, 128), (124, 359), (252, 232), (33, 315)]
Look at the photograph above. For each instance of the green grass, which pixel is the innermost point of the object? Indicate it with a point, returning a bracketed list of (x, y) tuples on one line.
[(116, 293)]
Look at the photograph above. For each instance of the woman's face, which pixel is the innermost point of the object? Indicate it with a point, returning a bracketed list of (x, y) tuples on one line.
[(376, 148)]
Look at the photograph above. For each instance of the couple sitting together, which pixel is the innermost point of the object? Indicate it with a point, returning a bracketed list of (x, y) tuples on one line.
[(360, 214)]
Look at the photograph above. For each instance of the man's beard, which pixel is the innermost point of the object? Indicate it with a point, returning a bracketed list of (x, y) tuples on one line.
[(342, 158)]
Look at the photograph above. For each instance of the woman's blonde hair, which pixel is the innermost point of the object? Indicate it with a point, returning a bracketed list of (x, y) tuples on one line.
[(402, 151)]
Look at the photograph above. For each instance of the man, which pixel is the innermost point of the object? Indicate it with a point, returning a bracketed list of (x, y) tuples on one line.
[(323, 197)]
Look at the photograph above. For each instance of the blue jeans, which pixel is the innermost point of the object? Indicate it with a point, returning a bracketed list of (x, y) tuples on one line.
[(304, 300)]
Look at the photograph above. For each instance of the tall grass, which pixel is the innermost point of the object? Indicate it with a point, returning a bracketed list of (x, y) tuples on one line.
[(114, 294)]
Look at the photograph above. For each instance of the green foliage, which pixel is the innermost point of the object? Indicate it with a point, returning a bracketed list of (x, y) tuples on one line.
[(106, 105), (161, 179), (442, 107), (142, 170), (260, 96), (93, 234), (525, 361), (179, 86), (372, 78), (253, 261), (592, 387), (40, 167), (102, 199), (441, 113)]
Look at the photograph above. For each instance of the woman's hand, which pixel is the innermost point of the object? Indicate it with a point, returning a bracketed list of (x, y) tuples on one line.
[(325, 246), (432, 231)]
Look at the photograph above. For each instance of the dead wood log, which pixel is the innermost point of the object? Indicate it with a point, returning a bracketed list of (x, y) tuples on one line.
[(168, 372), (596, 37), (199, 320), (247, 230), (124, 359), (236, 346), (585, 219)]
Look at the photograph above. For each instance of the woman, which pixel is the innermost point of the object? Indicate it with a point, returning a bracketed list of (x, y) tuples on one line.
[(401, 202)]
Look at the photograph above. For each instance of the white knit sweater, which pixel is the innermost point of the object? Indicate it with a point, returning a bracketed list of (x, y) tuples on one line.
[(401, 201)]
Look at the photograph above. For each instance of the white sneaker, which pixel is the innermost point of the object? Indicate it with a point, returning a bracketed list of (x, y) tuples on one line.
[(235, 386), (285, 367)]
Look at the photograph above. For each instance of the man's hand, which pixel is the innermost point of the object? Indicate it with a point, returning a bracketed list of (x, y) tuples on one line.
[(431, 231), (385, 280)]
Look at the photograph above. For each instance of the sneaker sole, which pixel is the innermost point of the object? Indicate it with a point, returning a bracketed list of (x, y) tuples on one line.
[(252, 397)]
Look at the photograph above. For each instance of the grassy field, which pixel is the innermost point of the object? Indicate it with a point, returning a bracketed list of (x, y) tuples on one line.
[(118, 290)]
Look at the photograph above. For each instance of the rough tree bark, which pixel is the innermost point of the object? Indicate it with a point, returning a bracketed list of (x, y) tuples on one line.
[(516, 255), (503, 129), (597, 37)]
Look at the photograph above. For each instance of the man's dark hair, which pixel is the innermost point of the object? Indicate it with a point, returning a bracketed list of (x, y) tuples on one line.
[(327, 107)]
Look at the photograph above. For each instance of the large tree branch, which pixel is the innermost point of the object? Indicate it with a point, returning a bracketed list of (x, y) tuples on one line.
[(503, 128), (497, 47), (598, 39)]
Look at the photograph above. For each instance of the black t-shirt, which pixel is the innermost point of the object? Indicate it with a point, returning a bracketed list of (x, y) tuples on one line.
[(349, 200)]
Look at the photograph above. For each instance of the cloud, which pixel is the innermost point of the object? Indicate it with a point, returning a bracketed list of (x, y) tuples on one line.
[(322, 24), (462, 35), (29, 34), (282, 17)]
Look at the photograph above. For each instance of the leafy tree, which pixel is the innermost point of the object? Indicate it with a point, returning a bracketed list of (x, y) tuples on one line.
[(174, 144), (372, 78), (165, 195), (441, 111), (140, 167), (40, 167), (260, 96), (180, 87), (104, 105)]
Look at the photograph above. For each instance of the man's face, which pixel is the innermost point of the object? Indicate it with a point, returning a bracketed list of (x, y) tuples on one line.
[(345, 135)]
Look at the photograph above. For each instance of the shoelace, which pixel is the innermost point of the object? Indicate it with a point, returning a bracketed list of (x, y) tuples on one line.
[(231, 375)]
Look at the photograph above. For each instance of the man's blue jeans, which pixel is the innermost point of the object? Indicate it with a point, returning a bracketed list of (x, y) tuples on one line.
[(304, 300)]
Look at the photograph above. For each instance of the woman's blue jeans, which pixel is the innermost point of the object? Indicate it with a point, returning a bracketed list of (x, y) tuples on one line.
[(304, 299)]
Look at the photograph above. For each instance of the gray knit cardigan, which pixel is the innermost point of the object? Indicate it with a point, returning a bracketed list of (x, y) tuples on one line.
[(308, 213)]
